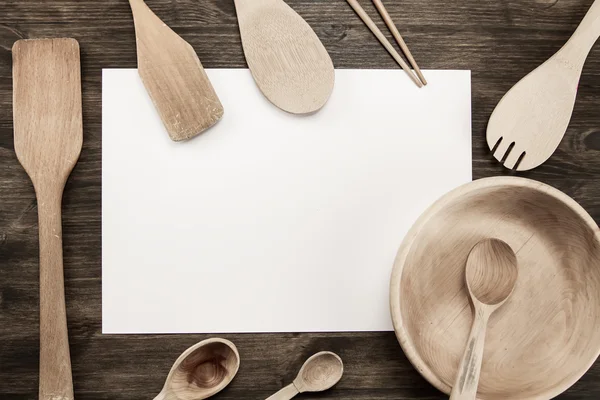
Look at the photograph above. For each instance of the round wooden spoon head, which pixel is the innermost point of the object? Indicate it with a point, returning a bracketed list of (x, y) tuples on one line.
[(202, 371), (491, 272), (320, 372)]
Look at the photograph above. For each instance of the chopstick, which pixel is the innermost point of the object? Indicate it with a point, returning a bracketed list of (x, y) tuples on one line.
[(392, 27), (388, 46)]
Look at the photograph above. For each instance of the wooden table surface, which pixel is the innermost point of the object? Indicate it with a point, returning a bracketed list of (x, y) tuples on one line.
[(500, 41)]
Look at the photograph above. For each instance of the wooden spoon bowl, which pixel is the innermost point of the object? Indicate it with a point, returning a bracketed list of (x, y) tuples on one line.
[(288, 61), (320, 372), (547, 334), (201, 371)]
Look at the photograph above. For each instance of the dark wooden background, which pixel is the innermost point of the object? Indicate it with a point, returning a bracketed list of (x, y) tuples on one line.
[(500, 41)]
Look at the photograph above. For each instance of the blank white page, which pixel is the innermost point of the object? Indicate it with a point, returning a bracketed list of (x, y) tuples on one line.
[(270, 222)]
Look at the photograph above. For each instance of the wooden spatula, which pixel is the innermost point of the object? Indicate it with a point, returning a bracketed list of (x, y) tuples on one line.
[(531, 119), (173, 76), (288, 61), (48, 138)]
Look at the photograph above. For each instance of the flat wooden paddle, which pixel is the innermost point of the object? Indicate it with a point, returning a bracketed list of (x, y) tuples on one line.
[(174, 77), (48, 137), (288, 61)]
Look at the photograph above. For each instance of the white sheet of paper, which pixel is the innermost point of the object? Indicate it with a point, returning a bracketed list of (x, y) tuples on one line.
[(270, 222)]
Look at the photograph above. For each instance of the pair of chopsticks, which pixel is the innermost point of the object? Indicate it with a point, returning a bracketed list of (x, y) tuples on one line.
[(419, 79)]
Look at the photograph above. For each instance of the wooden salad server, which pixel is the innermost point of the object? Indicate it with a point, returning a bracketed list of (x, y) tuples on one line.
[(531, 119), (491, 276), (174, 77), (48, 135), (288, 61)]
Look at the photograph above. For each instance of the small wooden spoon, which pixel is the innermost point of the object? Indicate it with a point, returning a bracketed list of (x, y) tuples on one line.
[(531, 119), (201, 371), (288, 61), (320, 372), (173, 77), (48, 138), (491, 276)]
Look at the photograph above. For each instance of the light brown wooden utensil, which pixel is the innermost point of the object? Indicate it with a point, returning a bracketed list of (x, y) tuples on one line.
[(48, 134), (547, 334), (379, 35), (491, 275), (399, 39), (288, 61), (201, 371), (319, 373), (530, 121), (173, 77)]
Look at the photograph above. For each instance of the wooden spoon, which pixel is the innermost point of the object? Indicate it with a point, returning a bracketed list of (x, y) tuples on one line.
[(531, 119), (288, 61), (491, 276), (320, 372), (201, 371), (173, 77), (48, 132)]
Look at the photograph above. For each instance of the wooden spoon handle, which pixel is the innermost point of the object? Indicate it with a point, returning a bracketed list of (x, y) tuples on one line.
[(465, 386), (287, 393), (56, 382)]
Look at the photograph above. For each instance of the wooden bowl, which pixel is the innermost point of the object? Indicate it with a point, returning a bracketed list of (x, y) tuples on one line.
[(547, 335)]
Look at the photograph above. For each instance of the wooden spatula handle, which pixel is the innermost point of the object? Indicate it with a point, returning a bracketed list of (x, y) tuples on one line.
[(467, 381), (56, 381), (286, 393)]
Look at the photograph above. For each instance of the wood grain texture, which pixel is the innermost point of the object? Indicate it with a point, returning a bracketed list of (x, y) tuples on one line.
[(174, 77), (383, 40), (288, 61), (490, 275), (48, 139), (499, 41), (531, 119), (547, 334), (319, 373), (201, 371), (399, 39)]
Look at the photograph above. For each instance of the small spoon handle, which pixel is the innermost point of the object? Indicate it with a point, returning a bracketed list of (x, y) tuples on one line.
[(287, 393), (465, 386)]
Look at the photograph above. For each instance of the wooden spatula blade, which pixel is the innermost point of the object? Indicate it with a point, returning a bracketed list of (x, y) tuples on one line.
[(174, 77), (48, 127)]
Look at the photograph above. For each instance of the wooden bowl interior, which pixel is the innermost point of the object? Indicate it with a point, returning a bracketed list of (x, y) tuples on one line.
[(547, 334)]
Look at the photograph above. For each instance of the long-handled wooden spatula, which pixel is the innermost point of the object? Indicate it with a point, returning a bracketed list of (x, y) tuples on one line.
[(48, 138), (173, 76)]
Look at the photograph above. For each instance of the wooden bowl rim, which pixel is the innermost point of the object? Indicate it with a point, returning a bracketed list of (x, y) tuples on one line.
[(395, 294)]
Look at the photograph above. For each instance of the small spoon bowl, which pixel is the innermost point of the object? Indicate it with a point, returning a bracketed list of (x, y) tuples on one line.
[(201, 371), (320, 372)]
